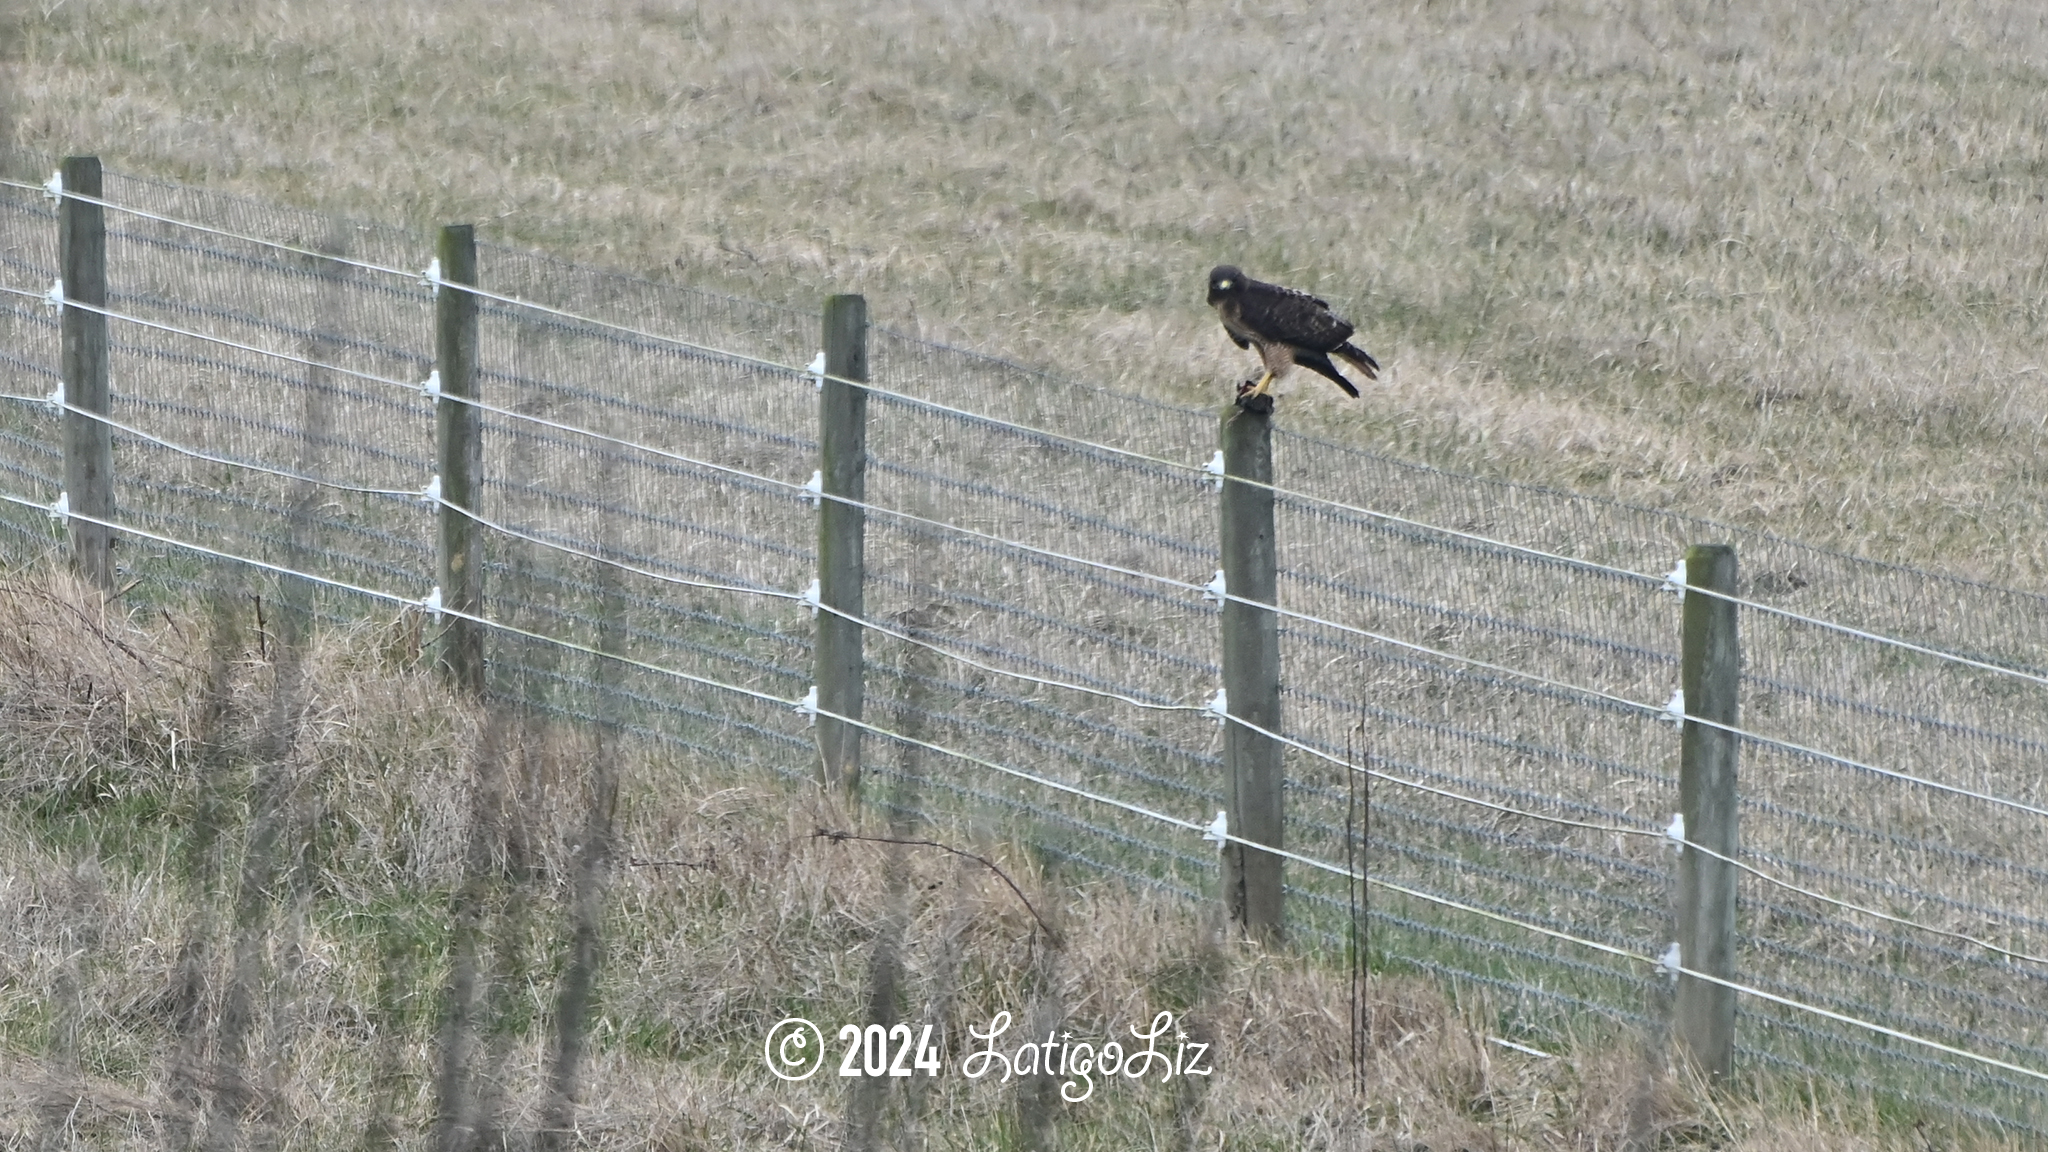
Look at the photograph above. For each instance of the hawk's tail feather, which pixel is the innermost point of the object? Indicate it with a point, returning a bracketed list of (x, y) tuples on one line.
[(1321, 363), (1358, 358)]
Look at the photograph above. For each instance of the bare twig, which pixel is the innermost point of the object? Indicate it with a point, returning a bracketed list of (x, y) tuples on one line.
[(836, 836), (97, 627)]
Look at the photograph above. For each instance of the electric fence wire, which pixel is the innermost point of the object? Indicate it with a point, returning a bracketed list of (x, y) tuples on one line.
[(1641, 708), (55, 190), (227, 461), (1180, 585), (429, 495), (1672, 835), (816, 605), (113, 314), (506, 413), (1171, 582), (1212, 832), (1035, 431), (1673, 581)]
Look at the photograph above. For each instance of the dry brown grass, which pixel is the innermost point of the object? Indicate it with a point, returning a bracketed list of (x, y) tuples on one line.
[(1769, 262), (149, 997)]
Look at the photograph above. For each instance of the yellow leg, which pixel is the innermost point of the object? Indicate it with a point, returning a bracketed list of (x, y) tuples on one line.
[(1264, 383)]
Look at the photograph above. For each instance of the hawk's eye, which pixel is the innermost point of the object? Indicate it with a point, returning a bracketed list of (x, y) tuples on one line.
[(1223, 283)]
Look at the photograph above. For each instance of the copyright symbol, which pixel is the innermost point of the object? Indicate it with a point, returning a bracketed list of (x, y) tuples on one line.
[(794, 1049)]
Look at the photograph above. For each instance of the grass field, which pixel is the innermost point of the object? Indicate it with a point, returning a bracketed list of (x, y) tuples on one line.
[(1777, 264)]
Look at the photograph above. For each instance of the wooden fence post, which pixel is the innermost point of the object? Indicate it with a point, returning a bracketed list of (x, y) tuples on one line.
[(459, 442), (843, 460), (1251, 675), (1710, 676), (88, 443)]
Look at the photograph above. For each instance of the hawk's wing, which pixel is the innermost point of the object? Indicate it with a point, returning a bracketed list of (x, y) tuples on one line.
[(1284, 316), (1234, 325)]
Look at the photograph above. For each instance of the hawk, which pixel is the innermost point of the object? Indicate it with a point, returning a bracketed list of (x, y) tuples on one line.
[(1288, 328)]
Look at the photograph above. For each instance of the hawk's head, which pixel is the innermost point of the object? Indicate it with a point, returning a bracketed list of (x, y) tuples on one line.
[(1225, 280)]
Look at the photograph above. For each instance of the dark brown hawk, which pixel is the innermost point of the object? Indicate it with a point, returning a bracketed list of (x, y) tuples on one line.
[(1287, 327)]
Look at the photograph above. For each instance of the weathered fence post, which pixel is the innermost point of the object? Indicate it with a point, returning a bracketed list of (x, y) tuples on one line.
[(458, 442), (1251, 674), (842, 527), (1710, 676), (88, 443)]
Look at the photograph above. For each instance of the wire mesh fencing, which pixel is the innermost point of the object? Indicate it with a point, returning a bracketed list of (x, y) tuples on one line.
[(1475, 674)]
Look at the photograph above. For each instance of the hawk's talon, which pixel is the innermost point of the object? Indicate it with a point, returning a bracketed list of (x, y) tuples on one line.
[(1251, 400)]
